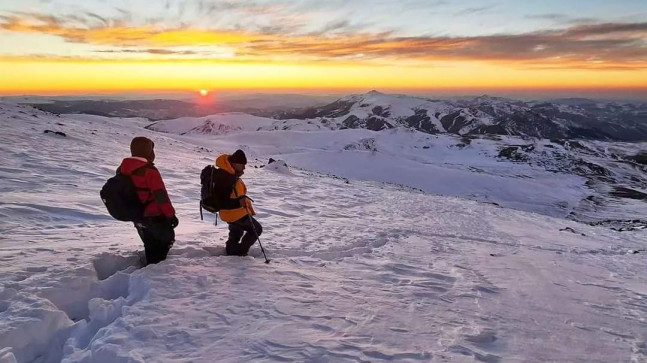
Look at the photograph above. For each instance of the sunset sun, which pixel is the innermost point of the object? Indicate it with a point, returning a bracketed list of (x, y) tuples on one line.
[(204, 92)]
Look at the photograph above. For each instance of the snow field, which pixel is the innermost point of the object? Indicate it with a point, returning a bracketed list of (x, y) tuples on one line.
[(362, 271)]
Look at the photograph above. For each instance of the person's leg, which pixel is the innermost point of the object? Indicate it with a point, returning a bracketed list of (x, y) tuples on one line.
[(149, 241), (140, 232), (252, 231), (233, 243), (164, 238), (158, 237)]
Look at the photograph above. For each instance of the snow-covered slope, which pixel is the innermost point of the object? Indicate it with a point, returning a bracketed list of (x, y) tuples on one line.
[(590, 181), (361, 271)]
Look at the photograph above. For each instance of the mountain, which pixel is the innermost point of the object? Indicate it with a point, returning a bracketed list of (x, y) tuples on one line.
[(480, 115), (557, 119), (151, 109), (163, 109), (218, 124)]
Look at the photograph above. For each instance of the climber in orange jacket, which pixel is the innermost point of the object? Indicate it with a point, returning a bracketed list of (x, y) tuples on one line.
[(236, 207)]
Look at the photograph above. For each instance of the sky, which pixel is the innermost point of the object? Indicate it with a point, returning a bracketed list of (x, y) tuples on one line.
[(68, 47)]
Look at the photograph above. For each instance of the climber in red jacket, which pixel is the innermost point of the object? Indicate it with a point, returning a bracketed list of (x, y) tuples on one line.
[(156, 230)]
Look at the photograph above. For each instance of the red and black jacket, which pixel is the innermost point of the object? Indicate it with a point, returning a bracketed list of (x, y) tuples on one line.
[(150, 187)]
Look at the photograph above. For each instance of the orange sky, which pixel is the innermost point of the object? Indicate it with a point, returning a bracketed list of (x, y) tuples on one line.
[(45, 53), (46, 76)]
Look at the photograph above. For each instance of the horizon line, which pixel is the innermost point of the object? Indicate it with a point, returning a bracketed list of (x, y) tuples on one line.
[(316, 90)]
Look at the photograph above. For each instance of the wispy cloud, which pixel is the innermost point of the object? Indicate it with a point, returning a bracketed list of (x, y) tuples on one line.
[(562, 18), (339, 27), (473, 10), (103, 20), (550, 16), (81, 30), (599, 46), (151, 51)]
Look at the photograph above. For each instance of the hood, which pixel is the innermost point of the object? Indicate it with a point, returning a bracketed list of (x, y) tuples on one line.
[(223, 163), (129, 164)]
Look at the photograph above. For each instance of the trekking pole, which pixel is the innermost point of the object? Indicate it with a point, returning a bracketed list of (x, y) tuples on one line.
[(251, 221)]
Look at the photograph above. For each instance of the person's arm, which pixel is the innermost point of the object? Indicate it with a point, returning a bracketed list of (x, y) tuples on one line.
[(160, 196)]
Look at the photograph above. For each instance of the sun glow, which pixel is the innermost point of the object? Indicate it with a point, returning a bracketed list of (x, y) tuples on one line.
[(34, 75)]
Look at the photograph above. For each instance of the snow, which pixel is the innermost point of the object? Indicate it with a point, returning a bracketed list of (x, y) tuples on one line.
[(279, 166), (399, 106), (431, 163), (361, 270), (212, 125)]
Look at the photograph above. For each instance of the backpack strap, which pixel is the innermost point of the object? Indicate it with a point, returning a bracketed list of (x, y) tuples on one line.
[(233, 189), (213, 170), (211, 180), (147, 166), (134, 171)]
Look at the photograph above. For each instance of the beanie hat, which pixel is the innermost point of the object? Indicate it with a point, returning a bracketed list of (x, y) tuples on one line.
[(238, 157), (141, 147)]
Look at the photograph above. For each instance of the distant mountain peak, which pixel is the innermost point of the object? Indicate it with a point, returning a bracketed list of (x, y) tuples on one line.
[(374, 93), (488, 98)]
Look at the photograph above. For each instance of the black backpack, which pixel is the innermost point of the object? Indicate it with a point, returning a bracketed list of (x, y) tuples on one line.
[(208, 200), (209, 196), (119, 194)]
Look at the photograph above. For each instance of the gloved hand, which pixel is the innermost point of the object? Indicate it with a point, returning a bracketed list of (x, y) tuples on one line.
[(173, 221), (246, 202)]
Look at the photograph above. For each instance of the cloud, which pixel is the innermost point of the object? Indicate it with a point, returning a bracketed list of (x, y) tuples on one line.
[(599, 46), (82, 30), (100, 18), (551, 16), (562, 18), (337, 27), (151, 51), (639, 29), (474, 10)]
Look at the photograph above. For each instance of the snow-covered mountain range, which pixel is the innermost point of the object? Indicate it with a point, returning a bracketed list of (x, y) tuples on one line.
[(554, 119), (481, 115)]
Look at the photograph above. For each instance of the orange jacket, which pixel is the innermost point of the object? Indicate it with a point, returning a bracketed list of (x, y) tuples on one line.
[(239, 190)]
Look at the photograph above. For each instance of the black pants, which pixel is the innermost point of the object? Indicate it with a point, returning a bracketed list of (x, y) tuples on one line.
[(158, 237), (236, 246)]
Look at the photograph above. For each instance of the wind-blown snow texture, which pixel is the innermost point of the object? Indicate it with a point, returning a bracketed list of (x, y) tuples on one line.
[(362, 271)]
